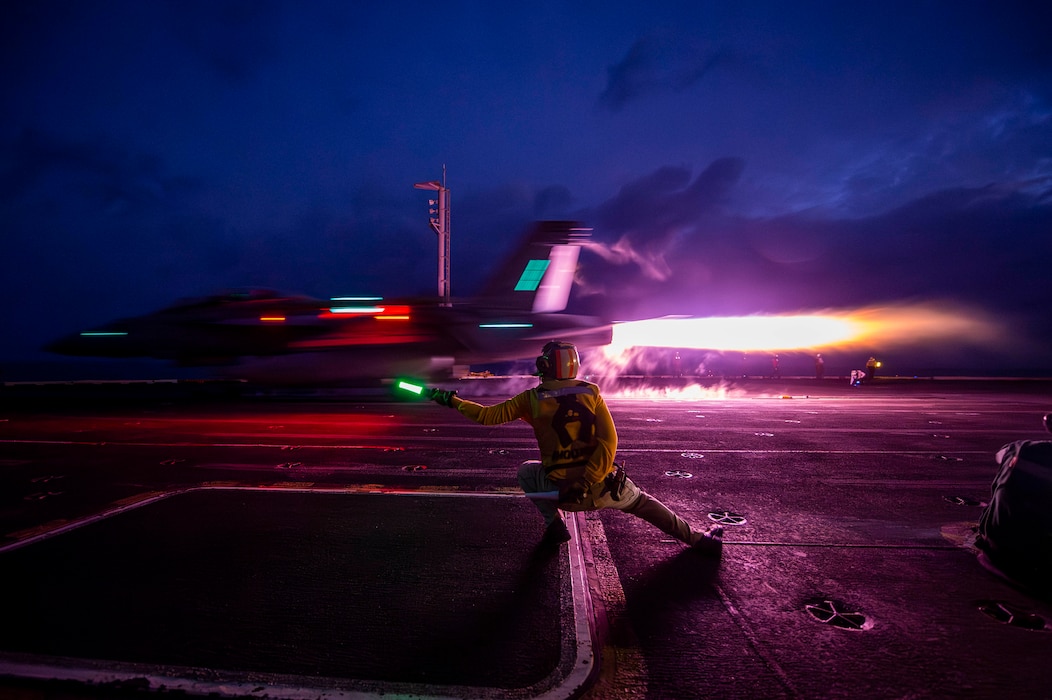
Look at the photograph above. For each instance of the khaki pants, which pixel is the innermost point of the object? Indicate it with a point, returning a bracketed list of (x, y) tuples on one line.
[(634, 500)]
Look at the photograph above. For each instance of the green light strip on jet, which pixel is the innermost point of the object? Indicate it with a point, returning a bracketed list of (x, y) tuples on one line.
[(505, 325), (532, 275), (103, 333)]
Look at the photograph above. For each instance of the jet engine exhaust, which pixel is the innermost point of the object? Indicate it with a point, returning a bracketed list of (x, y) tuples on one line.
[(883, 326)]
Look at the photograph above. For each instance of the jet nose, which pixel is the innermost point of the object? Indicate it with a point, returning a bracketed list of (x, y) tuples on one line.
[(61, 345), (89, 343), (66, 345)]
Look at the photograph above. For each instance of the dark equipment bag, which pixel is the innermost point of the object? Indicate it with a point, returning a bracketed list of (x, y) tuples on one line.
[(1015, 529)]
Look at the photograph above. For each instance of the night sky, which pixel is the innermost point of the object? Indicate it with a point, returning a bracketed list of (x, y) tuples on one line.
[(733, 158)]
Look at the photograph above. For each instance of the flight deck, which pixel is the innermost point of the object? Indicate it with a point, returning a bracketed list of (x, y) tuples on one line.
[(166, 540)]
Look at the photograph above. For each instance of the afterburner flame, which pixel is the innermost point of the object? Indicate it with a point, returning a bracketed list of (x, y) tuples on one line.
[(883, 326)]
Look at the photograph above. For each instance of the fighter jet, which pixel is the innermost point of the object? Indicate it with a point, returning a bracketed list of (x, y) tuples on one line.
[(266, 336)]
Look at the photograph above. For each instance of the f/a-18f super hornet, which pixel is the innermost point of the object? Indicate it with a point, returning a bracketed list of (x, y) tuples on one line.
[(263, 335)]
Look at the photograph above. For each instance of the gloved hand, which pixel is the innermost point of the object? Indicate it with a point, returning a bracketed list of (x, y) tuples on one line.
[(443, 397), (575, 493)]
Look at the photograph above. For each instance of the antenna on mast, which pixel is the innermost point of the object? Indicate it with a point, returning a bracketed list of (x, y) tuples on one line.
[(439, 221)]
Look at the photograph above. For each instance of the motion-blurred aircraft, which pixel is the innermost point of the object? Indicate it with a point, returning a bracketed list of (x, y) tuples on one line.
[(263, 335)]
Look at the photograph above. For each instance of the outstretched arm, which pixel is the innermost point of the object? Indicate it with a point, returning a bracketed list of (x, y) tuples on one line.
[(503, 412)]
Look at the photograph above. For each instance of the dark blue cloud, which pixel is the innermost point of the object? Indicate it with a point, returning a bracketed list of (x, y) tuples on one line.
[(655, 64), (666, 200), (985, 247), (235, 38)]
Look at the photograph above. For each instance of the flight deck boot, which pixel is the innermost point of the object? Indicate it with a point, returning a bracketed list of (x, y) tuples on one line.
[(657, 514), (555, 534)]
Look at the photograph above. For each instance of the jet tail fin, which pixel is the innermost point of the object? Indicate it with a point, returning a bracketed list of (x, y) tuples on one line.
[(539, 276)]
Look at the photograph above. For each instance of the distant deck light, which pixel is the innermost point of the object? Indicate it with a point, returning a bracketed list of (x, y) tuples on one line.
[(272, 319)]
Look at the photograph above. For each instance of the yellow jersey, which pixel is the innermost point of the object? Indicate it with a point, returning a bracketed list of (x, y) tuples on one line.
[(573, 426)]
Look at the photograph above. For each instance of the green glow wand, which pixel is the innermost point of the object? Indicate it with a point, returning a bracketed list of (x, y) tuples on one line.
[(412, 388)]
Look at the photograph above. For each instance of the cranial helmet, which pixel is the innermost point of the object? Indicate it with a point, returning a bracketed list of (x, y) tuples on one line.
[(558, 360)]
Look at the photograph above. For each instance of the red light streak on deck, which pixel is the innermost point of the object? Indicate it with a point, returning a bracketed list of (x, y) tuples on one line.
[(882, 326)]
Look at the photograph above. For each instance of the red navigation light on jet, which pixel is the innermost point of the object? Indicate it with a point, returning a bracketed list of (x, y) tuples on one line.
[(380, 312), (396, 312)]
